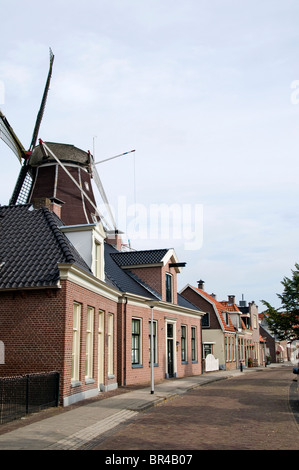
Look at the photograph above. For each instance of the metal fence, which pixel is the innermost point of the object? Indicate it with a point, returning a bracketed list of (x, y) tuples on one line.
[(26, 394)]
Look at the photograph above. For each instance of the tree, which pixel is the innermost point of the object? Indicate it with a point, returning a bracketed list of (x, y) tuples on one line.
[(284, 322)]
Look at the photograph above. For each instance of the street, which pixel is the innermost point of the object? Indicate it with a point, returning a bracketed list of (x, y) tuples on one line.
[(251, 412)]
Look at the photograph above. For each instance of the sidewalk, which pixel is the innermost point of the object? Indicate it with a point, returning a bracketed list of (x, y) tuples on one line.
[(77, 428)]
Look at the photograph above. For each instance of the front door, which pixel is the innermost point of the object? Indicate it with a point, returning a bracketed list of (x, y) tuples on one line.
[(170, 355)]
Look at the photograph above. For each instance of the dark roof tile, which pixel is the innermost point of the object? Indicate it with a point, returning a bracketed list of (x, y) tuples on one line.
[(31, 246), (136, 258)]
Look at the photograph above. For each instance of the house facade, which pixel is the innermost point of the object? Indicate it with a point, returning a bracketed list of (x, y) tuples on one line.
[(72, 302), (218, 331), (230, 332)]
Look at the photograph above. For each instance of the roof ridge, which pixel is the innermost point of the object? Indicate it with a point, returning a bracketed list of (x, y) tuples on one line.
[(62, 242)]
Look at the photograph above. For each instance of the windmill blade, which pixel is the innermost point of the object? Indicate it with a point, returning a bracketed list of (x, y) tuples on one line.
[(100, 187), (8, 136), (116, 156), (43, 104), (44, 146), (23, 186)]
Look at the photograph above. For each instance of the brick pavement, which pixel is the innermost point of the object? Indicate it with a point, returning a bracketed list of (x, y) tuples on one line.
[(250, 412), (82, 426)]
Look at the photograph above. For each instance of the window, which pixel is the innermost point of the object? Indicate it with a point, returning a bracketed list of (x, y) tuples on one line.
[(98, 267), (154, 341), (205, 320), (254, 321), (207, 349), (168, 287), (76, 341), (89, 343), (136, 341), (193, 343), (184, 343), (234, 348), (110, 344), (101, 348)]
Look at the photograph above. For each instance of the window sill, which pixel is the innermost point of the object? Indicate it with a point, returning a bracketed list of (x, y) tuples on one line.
[(137, 366), (155, 364), (194, 362), (89, 380), (75, 383), (185, 362)]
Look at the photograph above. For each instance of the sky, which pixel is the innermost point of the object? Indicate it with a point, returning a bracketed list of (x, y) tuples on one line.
[(207, 94)]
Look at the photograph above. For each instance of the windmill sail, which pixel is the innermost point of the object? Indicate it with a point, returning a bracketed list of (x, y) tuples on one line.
[(23, 185), (9, 137), (43, 104)]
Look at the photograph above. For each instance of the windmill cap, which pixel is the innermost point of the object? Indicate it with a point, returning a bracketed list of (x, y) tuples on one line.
[(66, 153)]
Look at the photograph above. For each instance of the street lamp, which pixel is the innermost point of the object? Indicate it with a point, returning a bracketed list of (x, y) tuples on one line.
[(152, 304)]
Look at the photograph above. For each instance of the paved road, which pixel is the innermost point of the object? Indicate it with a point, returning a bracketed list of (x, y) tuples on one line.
[(251, 412)]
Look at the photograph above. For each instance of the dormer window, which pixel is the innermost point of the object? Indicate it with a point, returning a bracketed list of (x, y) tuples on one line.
[(169, 295)]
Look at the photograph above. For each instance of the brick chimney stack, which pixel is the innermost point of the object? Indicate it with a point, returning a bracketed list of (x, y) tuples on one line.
[(52, 204), (114, 238), (200, 284), (231, 299)]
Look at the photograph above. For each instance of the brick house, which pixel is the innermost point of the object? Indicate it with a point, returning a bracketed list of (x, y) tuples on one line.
[(152, 275), (230, 332), (218, 330), (72, 302)]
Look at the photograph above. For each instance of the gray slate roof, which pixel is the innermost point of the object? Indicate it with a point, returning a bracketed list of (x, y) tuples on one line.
[(31, 246), (121, 279), (135, 258)]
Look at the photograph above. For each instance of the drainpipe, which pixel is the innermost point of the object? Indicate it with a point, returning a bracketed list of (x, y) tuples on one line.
[(125, 341)]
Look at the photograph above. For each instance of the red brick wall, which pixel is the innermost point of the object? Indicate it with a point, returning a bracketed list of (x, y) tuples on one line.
[(37, 332), (140, 375), (32, 329), (155, 278)]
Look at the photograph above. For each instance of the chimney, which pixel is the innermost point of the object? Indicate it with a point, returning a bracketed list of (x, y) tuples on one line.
[(214, 296), (114, 238), (40, 202), (200, 284), (52, 204), (56, 205), (231, 299), (242, 303)]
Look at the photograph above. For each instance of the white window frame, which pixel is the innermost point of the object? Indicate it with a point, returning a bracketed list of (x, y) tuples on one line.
[(155, 341), (101, 347), (194, 328), (110, 348), (89, 343), (139, 363), (185, 349), (75, 372)]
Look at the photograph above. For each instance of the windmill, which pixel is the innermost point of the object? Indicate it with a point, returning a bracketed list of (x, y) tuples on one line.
[(57, 172)]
